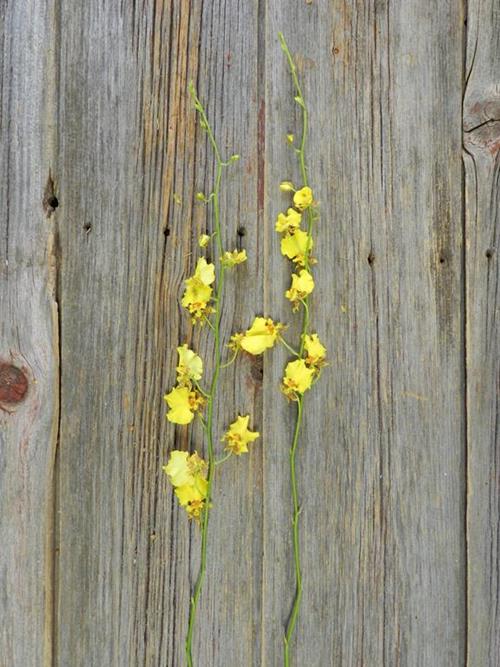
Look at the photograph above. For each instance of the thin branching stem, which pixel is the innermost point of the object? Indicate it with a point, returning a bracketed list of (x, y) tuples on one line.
[(294, 614), (289, 347), (208, 425)]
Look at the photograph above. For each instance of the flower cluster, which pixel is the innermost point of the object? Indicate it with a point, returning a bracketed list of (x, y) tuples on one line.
[(301, 373), (296, 244), (302, 285), (188, 475), (184, 399), (305, 369), (198, 293)]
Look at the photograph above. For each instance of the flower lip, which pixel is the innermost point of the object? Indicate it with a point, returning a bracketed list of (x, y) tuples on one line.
[(303, 198)]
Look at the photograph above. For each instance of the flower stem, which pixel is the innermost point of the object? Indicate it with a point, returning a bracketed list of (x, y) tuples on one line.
[(288, 347), (231, 361), (296, 546), (304, 331), (224, 458), (208, 427)]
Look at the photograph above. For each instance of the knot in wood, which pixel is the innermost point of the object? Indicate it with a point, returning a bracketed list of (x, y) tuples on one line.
[(257, 369), (13, 384)]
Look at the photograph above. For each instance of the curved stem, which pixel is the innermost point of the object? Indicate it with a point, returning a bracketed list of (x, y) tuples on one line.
[(208, 426), (231, 361), (208, 322), (296, 546), (288, 347), (299, 98), (224, 458), (305, 325)]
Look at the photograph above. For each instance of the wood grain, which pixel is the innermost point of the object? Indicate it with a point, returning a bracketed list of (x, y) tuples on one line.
[(100, 160), (131, 161), (29, 351), (382, 455), (482, 206)]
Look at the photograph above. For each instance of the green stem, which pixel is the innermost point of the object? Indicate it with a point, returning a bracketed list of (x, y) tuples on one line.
[(305, 329), (231, 361), (202, 392), (224, 458), (208, 322), (302, 159), (208, 427), (305, 325), (296, 546), (289, 347)]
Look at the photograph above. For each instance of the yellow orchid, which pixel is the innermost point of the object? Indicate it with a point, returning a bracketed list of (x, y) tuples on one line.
[(194, 507), (182, 468), (303, 198), (238, 436), (289, 222), (295, 246), (204, 271), (190, 365), (183, 403), (287, 186), (177, 469), (230, 259), (198, 292), (203, 240), (187, 473), (316, 351), (302, 285), (261, 336), (298, 378), (235, 342), (196, 296), (190, 493)]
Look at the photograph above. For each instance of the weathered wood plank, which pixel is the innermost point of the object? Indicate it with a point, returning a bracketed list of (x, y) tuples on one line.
[(128, 557), (482, 170), (382, 457), (382, 464), (29, 370)]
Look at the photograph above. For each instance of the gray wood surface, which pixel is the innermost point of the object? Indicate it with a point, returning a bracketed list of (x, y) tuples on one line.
[(29, 349), (382, 529), (482, 215), (398, 464)]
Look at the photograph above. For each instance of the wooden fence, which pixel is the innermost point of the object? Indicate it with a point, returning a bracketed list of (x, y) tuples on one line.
[(399, 466)]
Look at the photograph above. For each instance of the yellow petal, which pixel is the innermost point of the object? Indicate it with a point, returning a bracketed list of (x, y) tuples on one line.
[(204, 272), (190, 365), (203, 240), (238, 436), (289, 222), (316, 351), (177, 469), (302, 286), (197, 465), (294, 246), (191, 492), (232, 258), (178, 401), (261, 336), (298, 378), (303, 198), (196, 293)]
